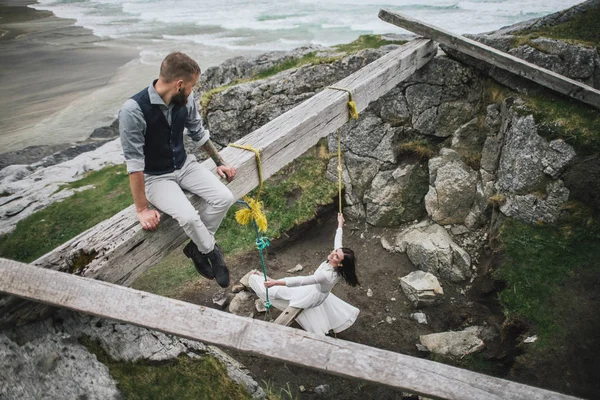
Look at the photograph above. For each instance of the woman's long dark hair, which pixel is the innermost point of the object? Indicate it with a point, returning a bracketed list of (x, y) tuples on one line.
[(348, 267)]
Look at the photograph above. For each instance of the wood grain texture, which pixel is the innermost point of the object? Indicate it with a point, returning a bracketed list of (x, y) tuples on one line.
[(286, 344), (288, 316), (480, 51), (117, 250)]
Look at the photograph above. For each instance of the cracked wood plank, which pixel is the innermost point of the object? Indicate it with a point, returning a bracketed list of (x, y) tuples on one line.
[(285, 344), (480, 51), (123, 250)]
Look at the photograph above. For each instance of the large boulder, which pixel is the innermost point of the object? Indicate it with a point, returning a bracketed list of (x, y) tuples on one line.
[(431, 249), (422, 289), (528, 160), (396, 196), (456, 344), (452, 188)]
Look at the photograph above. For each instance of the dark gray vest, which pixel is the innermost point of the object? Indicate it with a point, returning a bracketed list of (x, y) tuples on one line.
[(163, 146)]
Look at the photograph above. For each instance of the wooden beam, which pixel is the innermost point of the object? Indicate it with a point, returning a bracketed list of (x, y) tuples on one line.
[(118, 250), (286, 344), (480, 51), (288, 316)]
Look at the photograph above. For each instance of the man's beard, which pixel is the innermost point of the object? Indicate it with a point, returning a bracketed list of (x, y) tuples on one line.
[(180, 99)]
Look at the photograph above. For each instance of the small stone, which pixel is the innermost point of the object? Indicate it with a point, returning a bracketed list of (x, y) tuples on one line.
[(260, 306), (297, 268), (393, 299), (420, 347), (220, 298), (322, 389), (301, 388), (530, 339), (369, 293), (419, 317)]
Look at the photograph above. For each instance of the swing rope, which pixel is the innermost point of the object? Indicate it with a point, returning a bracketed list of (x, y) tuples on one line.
[(354, 115), (339, 169), (254, 212)]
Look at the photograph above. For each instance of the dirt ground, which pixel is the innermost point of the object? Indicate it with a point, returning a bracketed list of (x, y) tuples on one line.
[(378, 271)]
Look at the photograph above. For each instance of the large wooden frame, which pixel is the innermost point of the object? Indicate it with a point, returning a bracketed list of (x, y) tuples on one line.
[(278, 342)]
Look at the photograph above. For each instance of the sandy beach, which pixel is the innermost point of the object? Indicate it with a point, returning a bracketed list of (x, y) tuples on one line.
[(47, 65)]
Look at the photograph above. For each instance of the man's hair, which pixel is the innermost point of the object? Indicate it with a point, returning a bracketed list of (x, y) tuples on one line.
[(177, 66)]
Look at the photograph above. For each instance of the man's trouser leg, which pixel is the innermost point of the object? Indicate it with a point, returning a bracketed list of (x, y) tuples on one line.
[(197, 179)]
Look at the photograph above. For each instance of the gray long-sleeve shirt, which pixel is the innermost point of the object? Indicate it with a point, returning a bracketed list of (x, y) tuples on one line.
[(132, 127)]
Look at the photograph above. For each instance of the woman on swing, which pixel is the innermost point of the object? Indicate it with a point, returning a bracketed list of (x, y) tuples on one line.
[(323, 311)]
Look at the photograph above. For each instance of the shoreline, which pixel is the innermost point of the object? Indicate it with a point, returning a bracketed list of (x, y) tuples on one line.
[(48, 65)]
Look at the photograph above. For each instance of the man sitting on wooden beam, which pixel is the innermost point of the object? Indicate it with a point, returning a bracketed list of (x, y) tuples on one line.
[(151, 125)]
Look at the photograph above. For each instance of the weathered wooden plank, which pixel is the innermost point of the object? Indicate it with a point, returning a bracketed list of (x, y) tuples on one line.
[(118, 250), (284, 343), (288, 316), (480, 51)]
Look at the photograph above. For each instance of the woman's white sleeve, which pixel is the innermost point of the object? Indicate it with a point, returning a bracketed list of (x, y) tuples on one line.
[(337, 242), (294, 281)]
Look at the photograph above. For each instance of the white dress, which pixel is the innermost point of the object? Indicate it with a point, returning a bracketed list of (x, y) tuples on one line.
[(323, 311)]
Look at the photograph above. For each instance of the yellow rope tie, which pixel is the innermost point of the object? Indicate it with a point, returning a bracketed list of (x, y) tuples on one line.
[(339, 169), (256, 207), (351, 104)]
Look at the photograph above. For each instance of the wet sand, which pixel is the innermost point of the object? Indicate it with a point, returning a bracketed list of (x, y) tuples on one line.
[(47, 64)]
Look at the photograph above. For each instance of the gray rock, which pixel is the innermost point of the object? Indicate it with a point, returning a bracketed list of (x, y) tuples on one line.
[(39, 186), (396, 196), (422, 289), (536, 208), (527, 158), (49, 362), (453, 186), (52, 367), (457, 344), (243, 304), (431, 249), (469, 138), (322, 389), (420, 317), (573, 61)]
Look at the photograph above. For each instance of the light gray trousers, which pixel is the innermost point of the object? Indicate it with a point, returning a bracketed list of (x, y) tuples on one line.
[(165, 193)]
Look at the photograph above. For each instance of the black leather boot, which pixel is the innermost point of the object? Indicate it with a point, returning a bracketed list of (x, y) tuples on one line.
[(200, 260), (220, 270)]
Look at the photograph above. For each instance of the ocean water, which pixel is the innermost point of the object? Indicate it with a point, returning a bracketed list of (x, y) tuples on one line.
[(211, 31), (244, 26)]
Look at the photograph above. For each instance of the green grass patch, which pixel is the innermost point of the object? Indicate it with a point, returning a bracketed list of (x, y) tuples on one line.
[(566, 118), (46, 229), (539, 259), (583, 29), (291, 197), (182, 378), (366, 42)]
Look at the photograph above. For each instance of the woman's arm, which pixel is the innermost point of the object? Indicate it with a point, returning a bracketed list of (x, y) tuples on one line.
[(337, 242), (295, 281)]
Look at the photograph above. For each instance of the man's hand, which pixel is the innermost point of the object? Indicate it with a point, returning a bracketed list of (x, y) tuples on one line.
[(226, 172), (149, 219)]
